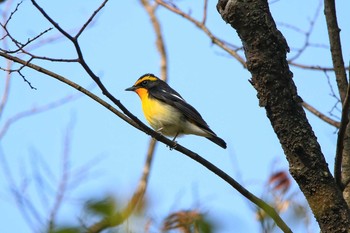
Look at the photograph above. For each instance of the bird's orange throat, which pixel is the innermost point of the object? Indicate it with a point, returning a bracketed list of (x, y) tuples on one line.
[(142, 93)]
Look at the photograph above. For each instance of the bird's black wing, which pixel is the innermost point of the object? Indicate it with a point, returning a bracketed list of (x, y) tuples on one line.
[(168, 95)]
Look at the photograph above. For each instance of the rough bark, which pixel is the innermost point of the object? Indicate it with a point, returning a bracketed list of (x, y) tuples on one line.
[(345, 166), (265, 49)]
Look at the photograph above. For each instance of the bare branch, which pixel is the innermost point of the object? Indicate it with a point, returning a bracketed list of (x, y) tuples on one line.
[(307, 34), (52, 21), (21, 46), (333, 93), (336, 50), (12, 13), (205, 12), (321, 115), (200, 25), (50, 58), (311, 67), (90, 19), (159, 37)]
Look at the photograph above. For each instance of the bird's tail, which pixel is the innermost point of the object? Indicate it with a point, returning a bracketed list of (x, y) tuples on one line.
[(218, 141)]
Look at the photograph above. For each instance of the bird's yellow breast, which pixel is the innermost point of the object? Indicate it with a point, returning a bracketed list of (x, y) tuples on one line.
[(161, 116)]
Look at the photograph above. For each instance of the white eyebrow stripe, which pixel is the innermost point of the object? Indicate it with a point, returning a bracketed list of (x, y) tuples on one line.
[(176, 96)]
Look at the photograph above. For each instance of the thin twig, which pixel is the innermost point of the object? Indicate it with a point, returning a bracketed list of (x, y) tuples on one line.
[(12, 13), (90, 19), (311, 67), (321, 115), (21, 46), (205, 10), (307, 34)]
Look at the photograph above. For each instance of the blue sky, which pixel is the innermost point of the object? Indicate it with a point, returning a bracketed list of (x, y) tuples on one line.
[(120, 47)]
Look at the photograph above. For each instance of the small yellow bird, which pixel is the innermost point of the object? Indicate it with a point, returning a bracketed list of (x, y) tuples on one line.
[(168, 113)]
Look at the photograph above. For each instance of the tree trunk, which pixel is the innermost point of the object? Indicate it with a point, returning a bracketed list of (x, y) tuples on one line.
[(265, 49)]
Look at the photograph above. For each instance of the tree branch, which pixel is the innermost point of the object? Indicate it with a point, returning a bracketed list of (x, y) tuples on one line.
[(343, 88), (307, 34), (336, 51), (90, 19), (321, 115), (312, 67)]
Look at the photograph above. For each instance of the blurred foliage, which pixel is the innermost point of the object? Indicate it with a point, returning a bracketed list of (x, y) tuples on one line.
[(109, 207), (105, 207), (188, 221), (288, 203)]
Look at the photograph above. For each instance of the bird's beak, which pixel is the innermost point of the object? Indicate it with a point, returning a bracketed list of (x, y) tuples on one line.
[(131, 88)]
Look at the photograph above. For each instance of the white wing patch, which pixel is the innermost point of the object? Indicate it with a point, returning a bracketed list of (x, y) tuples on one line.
[(176, 96)]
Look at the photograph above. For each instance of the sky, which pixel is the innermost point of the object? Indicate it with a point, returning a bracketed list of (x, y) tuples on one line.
[(120, 47)]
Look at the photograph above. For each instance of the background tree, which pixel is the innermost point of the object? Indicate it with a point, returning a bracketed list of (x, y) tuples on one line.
[(77, 46)]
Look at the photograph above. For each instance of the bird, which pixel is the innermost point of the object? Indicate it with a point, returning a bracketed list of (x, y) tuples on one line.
[(168, 113)]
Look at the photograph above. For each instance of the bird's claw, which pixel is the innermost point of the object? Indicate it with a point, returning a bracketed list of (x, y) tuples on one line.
[(173, 146)]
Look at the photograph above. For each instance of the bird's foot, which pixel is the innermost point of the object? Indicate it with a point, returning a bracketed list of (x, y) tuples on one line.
[(173, 146)]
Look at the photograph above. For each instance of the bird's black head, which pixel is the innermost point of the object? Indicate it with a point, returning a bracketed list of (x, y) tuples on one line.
[(146, 81)]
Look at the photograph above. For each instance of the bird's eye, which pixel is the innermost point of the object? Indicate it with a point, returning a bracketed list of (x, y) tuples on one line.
[(144, 83)]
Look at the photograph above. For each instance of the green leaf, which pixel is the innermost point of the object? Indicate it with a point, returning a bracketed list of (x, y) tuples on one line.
[(104, 207)]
